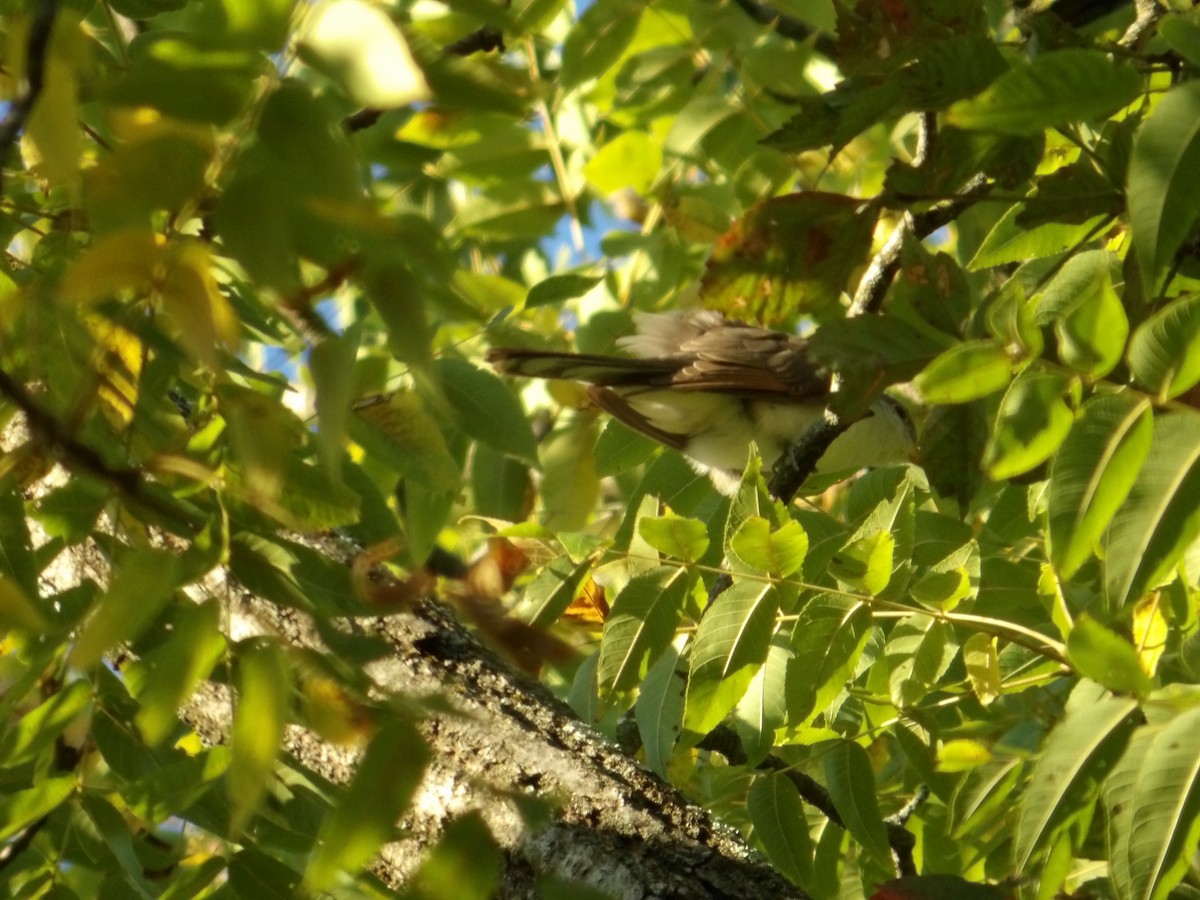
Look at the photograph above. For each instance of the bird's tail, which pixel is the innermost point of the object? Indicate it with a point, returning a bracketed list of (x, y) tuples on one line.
[(607, 371)]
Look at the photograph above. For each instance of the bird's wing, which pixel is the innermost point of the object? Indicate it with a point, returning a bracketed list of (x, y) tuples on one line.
[(697, 351), (614, 403), (740, 359)]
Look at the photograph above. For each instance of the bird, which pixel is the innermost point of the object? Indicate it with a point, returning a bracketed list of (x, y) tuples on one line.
[(708, 387)]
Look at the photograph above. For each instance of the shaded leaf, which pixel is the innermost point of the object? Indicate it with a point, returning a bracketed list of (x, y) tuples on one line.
[(851, 784), (1163, 195), (1079, 752), (1159, 520), (1056, 87), (780, 824), (1165, 351), (1092, 474)]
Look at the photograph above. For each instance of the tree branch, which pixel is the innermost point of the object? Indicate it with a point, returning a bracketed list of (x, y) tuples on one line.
[(35, 72)]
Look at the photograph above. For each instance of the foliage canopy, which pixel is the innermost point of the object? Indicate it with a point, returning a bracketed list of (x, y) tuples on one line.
[(256, 251)]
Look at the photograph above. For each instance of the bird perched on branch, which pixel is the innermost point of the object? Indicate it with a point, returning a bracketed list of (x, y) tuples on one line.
[(707, 387)]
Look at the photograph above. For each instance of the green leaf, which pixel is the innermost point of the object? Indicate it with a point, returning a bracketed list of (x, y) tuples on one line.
[(629, 161), (827, 643), (619, 449), (1092, 474), (332, 365), (735, 631), (1161, 815), (1033, 421), (44, 724), (113, 830), (763, 708), (1182, 33), (465, 864), (659, 710), (952, 443), (172, 671), (18, 809), (851, 784), (1165, 351), (1163, 195), (264, 685), (780, 824), (677, 537), (253, 873), (1054, 88), (502, 486), (866, 563), (780, 553), (640, 625), (730, 644), (1159, 520), (560, 288), (1088, 317), (919, 651), (554, 588), (983, 667), (1074, 759), (1106, 658), (367, 811), (1011, 241), (570, 485), (962, 755), (398, 432), (16, 548), (141, 586), (486, 410), (69, 511), (965, 372), (358, 46), (597, 40)]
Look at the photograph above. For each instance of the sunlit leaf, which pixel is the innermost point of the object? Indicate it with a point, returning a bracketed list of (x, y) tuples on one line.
[(19, 808), (676, 536), (597, 39), (361, 48), (1106, 658), (640, 625), (1035, 417), (966, 372), (141, 585), (264, 684), (780, 553)]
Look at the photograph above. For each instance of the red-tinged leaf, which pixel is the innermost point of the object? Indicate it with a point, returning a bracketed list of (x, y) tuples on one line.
[(787, 256)]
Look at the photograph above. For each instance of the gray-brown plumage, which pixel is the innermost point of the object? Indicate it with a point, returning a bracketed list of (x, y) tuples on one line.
[(708, 387)]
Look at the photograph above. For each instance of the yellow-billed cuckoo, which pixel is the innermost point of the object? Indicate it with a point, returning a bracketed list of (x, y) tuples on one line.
[(708, 387)]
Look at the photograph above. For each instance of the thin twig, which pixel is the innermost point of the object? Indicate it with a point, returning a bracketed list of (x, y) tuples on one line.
[(787, 26)]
